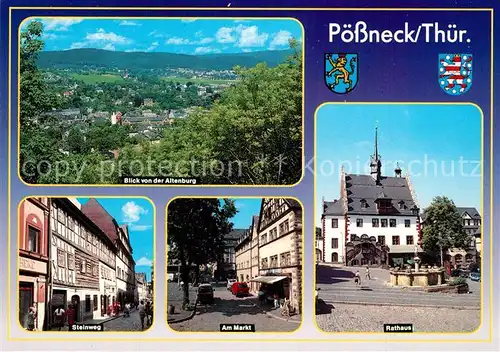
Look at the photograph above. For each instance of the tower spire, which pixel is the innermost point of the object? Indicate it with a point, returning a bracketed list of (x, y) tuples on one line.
[(376, 164)]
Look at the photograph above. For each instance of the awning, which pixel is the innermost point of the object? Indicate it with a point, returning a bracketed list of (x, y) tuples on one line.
[(269, 279), (404, 249)]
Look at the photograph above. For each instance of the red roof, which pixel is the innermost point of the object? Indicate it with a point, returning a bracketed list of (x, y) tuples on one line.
[(99, 216)]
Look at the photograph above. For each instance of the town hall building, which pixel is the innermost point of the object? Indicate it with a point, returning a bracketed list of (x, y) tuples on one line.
[(375, 221)]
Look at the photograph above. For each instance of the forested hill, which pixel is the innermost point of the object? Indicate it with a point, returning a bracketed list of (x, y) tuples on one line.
[(84, 58)]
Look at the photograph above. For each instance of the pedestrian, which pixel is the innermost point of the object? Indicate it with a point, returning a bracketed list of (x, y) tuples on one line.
[(276, 300), (142, 313), (127, 310), (59, 317), (71, 316), (367, 274), (148, 312), (357, 278), (32, 315), (262, 296)]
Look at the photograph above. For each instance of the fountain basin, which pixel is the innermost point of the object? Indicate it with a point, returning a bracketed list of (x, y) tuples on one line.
[(420, 278)]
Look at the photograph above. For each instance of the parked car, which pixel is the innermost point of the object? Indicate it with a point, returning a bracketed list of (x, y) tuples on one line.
[(230, 283), (475, 276), (240, 289), (205, 294)]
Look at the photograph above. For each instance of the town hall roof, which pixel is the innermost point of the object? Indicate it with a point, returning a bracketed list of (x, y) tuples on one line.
[(365, 187), (363, 192)]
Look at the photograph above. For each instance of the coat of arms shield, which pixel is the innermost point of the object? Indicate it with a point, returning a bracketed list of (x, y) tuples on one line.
[(341, 72), (455, 73)]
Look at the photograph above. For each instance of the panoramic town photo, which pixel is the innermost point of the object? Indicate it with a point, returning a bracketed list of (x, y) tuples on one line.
[(234, 265), (398, 218), (86, 264), (160, 101)]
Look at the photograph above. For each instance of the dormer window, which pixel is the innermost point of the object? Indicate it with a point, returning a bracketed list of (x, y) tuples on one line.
[(384, 204), (414, 210), (401, 204), (363, 203)]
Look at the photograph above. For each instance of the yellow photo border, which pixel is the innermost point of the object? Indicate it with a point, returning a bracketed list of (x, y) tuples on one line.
[(300, 9), (233, 333), (64, 334), (302, 43), (481, 212)]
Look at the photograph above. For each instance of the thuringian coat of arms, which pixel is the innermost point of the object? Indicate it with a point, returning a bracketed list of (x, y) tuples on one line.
[(341, 72), (455, 73)]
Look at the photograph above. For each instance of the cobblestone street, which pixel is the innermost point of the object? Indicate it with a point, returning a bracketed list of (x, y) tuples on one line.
[(132, 323), (227, 309), (345, 307)]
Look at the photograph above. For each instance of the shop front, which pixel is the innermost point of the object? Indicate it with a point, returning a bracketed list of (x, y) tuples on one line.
[(32, 291), (274, 286)]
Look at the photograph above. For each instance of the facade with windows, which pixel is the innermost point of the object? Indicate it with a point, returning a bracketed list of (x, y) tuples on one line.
[(375, 221), (254, 269), (125, 268), (82, 262), (280, 248), (243, 255), (124, 264), (471, 221), (247, 256), (33, 259), (226, 269)]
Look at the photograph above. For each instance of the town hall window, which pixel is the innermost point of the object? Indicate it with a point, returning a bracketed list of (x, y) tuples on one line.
[(335, 223), (392, 222), (395, 240), (381, 240), (409, 240), (33, 237), (383, 222), (374, 222), (359, 222), (407, 223), (335, 243)]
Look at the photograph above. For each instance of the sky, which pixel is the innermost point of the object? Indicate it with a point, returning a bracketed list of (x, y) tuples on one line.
[(438, 145), (247, 207), (184, 36), (138, 214)]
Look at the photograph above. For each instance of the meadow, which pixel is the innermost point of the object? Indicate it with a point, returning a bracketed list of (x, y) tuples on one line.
[(97, 78)]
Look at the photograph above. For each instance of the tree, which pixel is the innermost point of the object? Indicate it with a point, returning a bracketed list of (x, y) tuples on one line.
[(76, 141), (195, 230), (254, 131), (36, 129), (443, 228)]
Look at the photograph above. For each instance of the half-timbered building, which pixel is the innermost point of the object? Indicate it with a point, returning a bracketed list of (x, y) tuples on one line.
[(82, 262), (280, 249)]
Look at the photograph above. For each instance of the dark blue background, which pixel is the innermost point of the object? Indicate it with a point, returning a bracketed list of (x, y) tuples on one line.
[(387, 72)]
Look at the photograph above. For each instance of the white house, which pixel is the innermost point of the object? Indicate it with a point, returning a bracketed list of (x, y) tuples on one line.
[(375, 221)]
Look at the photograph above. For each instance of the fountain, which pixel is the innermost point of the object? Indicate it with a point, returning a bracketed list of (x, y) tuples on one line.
[(417, 277)]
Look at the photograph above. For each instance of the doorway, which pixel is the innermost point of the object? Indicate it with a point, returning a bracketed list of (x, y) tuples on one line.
[(25, 302), (75, 300)]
